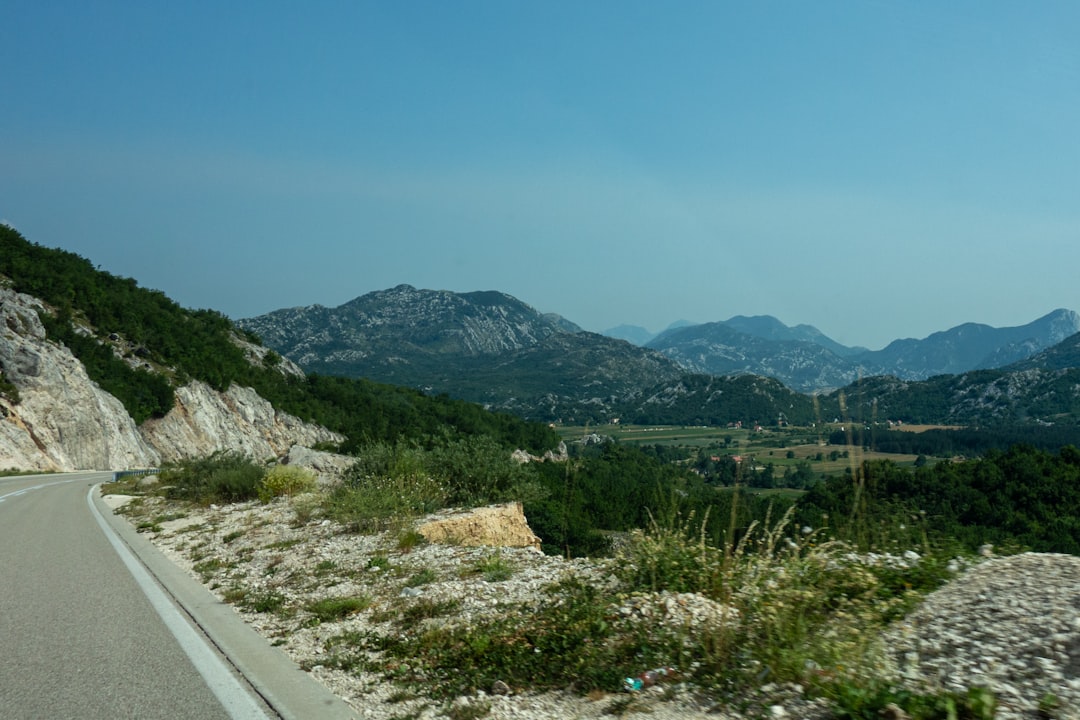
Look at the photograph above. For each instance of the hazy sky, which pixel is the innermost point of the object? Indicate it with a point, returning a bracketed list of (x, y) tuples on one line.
[(876, 169)]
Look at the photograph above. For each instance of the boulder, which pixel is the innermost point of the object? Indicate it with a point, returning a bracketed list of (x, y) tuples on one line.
[(329, 467), (492, 526)]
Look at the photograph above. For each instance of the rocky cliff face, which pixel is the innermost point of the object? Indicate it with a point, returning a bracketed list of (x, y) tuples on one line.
[(205, 421), (63, 421)]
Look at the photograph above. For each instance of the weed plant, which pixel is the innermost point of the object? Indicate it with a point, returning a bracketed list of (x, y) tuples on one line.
[(383, 489), (794, 606), (264, 601), (493, 568), (333, 609), (424, 576), (285, 481), (409, 540), (224, 477)]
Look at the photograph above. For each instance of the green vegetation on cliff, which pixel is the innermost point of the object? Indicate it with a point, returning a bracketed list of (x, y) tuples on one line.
[(138, 345)]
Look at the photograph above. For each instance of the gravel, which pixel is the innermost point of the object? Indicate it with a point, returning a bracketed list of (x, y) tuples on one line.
[(1010, 624)]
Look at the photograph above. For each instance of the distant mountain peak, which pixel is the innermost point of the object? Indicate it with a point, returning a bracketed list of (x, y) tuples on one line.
[(386, 322), (631, 333)]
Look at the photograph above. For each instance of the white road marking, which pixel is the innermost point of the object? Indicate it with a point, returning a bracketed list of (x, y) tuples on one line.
[(17, 493)]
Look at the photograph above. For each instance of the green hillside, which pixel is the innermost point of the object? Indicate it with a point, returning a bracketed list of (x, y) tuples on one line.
[(139, 345)]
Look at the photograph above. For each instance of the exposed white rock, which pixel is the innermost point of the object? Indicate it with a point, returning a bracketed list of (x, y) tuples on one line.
[(329, 467), (256, 355), (64, 420), (204, 421), (557, 455)]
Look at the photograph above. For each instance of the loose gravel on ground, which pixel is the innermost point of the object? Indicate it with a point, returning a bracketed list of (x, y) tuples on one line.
[(1010, 624)]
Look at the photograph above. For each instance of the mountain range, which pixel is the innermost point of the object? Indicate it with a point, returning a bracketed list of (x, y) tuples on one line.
[(808, 361), (494, 349), (144, 380), (487, 347)]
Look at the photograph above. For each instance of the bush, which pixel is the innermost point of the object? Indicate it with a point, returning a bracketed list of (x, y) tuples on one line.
[(287, 480), (387, 485), (477, 471), (224, 477), (802, 607), (393, 482), (8, 390), (567, 640), (332, 609)]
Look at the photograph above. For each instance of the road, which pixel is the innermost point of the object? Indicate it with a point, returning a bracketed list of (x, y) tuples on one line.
[(86, 631)]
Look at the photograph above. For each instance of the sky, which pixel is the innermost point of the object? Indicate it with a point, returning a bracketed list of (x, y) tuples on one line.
[(878, 169)]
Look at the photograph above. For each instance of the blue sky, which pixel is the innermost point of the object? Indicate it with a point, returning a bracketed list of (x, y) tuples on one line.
[(876, 169)]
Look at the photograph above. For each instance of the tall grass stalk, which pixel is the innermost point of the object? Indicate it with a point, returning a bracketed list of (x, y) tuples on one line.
[(800, 611)]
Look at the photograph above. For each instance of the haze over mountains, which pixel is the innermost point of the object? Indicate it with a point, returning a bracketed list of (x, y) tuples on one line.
[(808, 361), (492, 348)]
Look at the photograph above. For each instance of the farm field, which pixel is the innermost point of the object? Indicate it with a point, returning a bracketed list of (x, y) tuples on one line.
[(783, 447)]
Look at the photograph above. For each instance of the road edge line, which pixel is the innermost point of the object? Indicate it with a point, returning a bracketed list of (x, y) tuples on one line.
[(283, 685)]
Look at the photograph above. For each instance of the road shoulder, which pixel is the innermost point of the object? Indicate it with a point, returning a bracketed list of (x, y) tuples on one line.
[(282, 684)]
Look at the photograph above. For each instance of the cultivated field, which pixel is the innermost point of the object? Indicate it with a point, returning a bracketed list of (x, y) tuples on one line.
[(782, 447)]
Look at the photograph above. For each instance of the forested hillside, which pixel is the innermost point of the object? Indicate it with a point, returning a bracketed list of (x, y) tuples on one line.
[(139, 345), (1021, 498), (998, 398)]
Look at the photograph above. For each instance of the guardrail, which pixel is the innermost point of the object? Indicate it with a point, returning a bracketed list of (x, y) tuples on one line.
[(125, 473)]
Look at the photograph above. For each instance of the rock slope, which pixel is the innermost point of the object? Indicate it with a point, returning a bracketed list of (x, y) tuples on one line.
[(237, 420), (63, 421), (1011, 624)]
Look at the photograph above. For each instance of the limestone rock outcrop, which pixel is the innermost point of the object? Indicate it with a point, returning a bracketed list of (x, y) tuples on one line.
[(328, 467), (205, 421), (63, 421), (493, 526)]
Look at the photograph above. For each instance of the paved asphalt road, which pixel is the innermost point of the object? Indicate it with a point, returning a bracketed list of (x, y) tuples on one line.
[(86, 631)]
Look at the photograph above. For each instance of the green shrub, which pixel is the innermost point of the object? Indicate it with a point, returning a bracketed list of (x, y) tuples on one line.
[(422, 577), (669, 558), (875, 699), (493, 568), (477, 470), (8, 390), (568, 640), (224, 477), (409, 540), (337, 608), (264, 601), (803, 607), (285, 480), (388, 485)]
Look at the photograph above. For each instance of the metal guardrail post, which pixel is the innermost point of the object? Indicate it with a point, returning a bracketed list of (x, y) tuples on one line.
[(124, 473)]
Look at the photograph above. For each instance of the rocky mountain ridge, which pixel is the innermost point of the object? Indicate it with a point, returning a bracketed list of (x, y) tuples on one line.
[(432, 322), (808, 361), (64, 421), (490, 348), (486, 347)]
